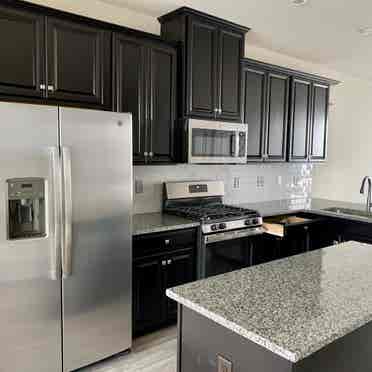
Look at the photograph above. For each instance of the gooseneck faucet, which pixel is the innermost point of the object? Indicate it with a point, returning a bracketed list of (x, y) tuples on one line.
[(369, 180)]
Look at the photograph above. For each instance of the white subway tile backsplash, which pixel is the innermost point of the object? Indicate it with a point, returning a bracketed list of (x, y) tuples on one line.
[(295, 182)]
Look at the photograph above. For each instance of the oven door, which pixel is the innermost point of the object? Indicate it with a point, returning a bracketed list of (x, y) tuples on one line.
[(216, 142), (228, 251)]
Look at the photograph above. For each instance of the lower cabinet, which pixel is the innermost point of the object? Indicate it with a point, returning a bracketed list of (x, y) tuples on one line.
[(153, 274)]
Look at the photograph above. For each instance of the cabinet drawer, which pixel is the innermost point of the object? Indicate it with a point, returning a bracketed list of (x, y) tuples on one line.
[(147, 245)]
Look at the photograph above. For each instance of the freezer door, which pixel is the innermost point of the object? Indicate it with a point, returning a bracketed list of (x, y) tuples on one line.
[(30, 284), (97, 163)]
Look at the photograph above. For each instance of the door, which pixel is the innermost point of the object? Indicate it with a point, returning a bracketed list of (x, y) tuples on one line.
[(277, 117), (180, 270), (300, 120), (30, 285), (162, 102), (318, 144), (22, 53), (229, 82), (130, 88), (254, 98), (202, 72), (97, 258), (148, 294), (76, 55)]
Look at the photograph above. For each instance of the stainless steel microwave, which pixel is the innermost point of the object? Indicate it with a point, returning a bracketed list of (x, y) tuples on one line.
[(216, 142)]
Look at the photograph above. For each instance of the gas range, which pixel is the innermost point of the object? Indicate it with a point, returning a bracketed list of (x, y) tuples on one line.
[(203, 201)]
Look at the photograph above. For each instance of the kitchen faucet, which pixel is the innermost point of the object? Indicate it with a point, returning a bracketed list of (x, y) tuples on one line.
[(369, 204)]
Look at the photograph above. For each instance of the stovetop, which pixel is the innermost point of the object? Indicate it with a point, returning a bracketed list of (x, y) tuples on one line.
[(213, 212)]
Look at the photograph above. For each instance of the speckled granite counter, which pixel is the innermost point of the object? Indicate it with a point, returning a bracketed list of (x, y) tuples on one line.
[(294, 306), (314, 205), (148, 223)]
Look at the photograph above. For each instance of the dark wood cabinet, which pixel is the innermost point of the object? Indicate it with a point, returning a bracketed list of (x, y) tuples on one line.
[(79, 66), (265, 108), (22, 53), (145, 75), (161, 261), (211, 49)]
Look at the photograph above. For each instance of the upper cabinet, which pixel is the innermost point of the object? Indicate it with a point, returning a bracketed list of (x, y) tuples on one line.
[(211, 49), (22, 51), (53, 58), (79, 62), (145, 76), (286, 112)]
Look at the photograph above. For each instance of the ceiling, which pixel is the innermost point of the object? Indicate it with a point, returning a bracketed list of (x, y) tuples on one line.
[(321, 31)]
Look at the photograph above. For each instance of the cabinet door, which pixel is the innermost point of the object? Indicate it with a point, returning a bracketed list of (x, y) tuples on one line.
[(202, 69), (162, 103), (254, 96), (265, 248), (180, 270), (299, 129), (129, 60), (21, 53), (78, 62), (318, 141), (148, 294), (229, 91), (277, 117)]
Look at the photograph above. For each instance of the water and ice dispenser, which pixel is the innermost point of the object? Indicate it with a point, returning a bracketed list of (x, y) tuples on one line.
[(26, 208)]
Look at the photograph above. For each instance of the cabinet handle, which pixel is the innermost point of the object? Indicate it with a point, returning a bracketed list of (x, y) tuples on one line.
[(220, 111), (145, 154), (151, 154), (169, 262), (166, 241), (50, 88), (164, 263), (42, 86)]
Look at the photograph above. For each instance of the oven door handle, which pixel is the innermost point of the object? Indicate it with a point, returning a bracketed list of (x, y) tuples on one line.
[(237, 140), (230, 235)]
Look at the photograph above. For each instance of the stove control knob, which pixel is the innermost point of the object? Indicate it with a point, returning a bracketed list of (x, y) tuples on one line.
[(248, 222), (214, 227), (222, 226), (255, 221)]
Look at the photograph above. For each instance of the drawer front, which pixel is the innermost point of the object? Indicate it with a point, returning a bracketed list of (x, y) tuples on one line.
[(147, 245)]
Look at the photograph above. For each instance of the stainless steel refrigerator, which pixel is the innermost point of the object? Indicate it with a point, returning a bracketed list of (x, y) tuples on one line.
[(65, 237)]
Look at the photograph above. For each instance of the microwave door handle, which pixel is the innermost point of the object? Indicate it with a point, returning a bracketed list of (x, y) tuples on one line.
[(55, 262), (67, 213), (237, 144)]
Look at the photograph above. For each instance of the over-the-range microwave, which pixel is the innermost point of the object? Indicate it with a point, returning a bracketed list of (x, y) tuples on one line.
[(212, 142)]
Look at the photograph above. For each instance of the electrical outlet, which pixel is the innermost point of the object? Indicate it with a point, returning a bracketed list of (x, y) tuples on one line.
[(223, 364), (260, 181), (236, 183), (138, 186)]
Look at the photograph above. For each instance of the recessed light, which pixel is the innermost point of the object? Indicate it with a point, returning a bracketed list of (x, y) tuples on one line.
[(365, 31), (298, 2)]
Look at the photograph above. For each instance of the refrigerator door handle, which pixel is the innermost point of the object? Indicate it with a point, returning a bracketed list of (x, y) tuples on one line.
[(67, 213), (55, 257)]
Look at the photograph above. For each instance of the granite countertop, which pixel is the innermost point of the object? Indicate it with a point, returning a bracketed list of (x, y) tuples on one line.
[(314, 205), (294, 306), (148, 223)]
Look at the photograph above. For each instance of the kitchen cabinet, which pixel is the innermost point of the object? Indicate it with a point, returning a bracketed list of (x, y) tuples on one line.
[(161, 261), (211, 49), (286, 112), (265, 110), (145, 75), (22, 50), (79, 68), (308, 121)]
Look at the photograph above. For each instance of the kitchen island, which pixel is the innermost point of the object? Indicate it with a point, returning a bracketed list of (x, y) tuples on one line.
[(310, 312)]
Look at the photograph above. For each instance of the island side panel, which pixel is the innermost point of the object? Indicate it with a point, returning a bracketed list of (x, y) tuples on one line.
[(351, 353), (201, 341)]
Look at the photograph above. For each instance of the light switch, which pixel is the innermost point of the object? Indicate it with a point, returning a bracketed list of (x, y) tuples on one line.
[(223, 364)]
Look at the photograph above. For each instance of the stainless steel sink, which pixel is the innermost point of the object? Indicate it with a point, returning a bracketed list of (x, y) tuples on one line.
[(351, 212)]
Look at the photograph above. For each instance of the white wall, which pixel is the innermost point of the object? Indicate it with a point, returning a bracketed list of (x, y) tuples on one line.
[(350, 127)]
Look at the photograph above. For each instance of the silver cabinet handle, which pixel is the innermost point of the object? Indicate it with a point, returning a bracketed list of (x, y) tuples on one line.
[(220, 111), (166, 241), (169, 262), (151, 154), (50, 88), (145, 154), (67, 213), (42, 86), (164, 263), (55, 262)]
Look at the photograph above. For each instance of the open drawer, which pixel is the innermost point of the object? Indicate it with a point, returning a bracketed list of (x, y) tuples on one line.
[(279, 225)]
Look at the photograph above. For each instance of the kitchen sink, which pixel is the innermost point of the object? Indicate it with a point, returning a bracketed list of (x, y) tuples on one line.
[(352, 212)]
